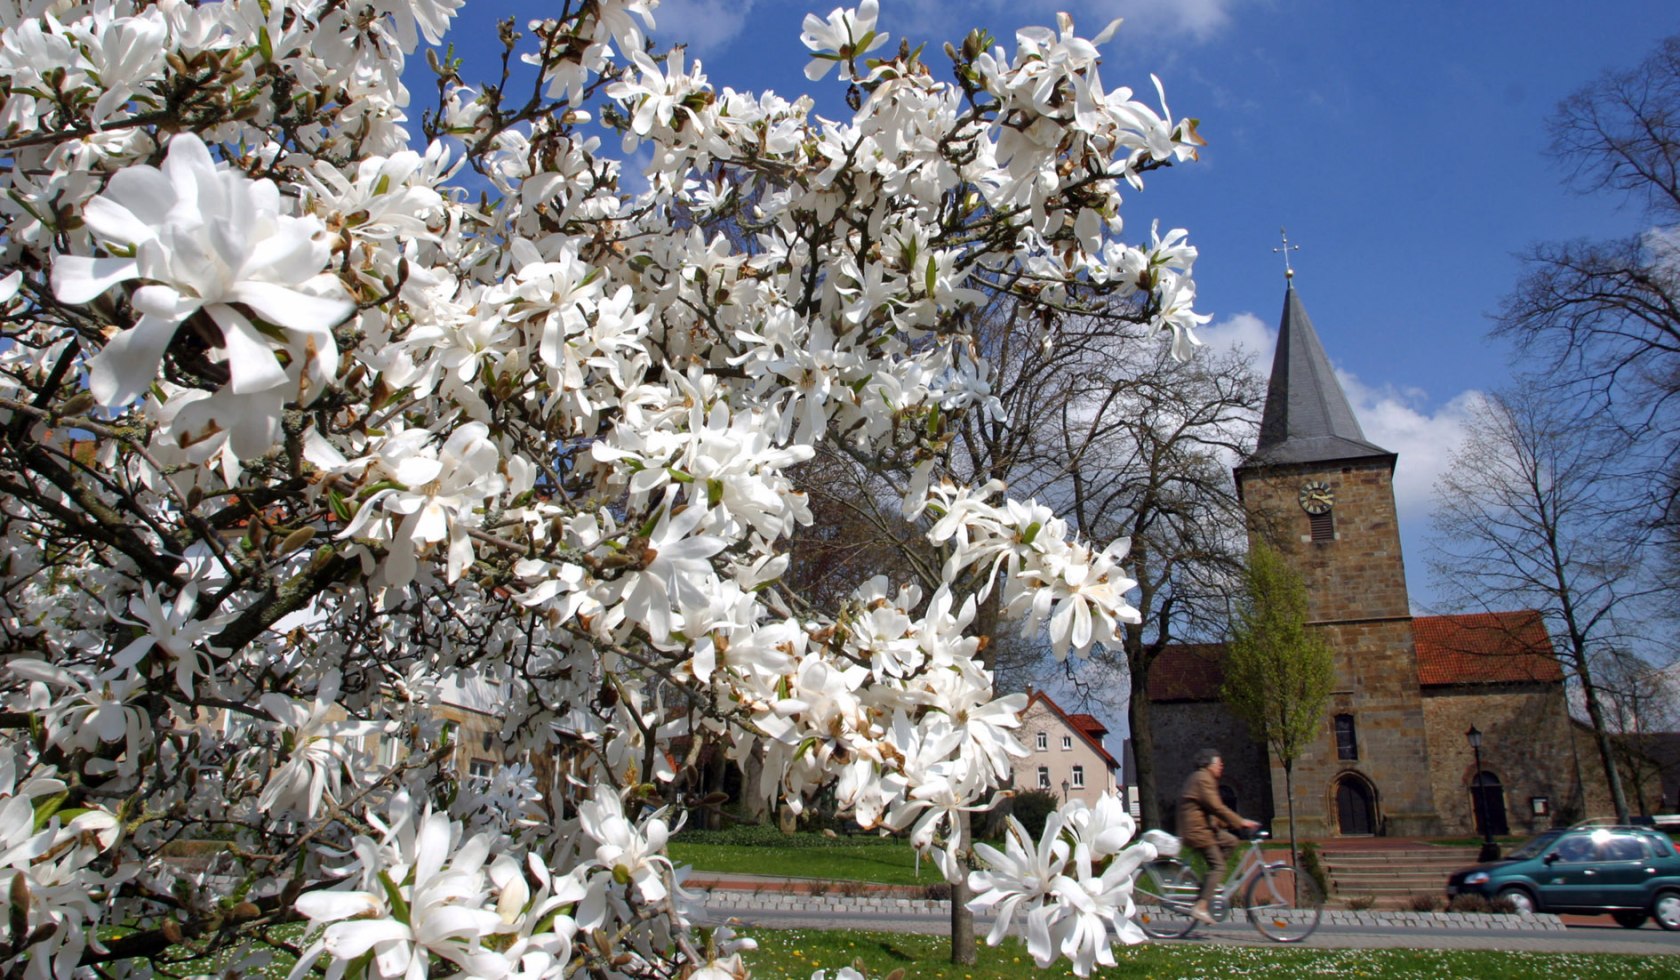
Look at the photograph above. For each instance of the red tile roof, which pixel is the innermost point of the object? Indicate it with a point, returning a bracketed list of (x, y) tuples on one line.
[(1091, 732), (1472, 648), (1484, 648), (1088, 724), (1188, 672)]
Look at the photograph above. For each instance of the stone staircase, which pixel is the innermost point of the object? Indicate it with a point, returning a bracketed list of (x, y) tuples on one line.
[(1390, 871)]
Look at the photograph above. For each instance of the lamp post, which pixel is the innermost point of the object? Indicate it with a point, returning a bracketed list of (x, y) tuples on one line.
[(1064, 790), (1490, 850)]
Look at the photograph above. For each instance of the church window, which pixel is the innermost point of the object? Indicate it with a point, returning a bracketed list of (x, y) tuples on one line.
[(1323, 526), (1043, 777), (1347, 738), (1078, 777), (1043, 741), (1067, 743)]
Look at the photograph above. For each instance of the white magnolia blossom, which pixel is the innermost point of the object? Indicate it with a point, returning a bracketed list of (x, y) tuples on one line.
[(317, 402), (1069, 892)]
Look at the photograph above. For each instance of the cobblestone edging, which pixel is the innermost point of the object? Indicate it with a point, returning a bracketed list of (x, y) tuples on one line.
[(728, 900)]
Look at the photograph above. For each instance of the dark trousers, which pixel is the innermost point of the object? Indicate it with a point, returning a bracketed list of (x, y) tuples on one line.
[(1224, 843)]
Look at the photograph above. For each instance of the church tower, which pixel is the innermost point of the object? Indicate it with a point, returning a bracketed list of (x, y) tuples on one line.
[(1324, 497)]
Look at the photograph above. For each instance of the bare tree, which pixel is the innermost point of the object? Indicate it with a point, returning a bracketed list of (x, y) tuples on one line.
[(1156, 469), (1604, 316), (1639, 699), (1128, 446), (1533, 511)]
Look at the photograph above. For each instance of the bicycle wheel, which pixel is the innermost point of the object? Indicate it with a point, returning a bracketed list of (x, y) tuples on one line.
[(1163, 892), (1284, 904)]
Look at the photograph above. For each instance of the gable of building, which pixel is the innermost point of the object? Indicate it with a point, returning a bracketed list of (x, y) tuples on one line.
[(1084, 728)]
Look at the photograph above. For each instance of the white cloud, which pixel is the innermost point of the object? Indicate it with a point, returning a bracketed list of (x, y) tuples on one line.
[(1401, 421), (706, 26), (924, 20), (1243, 331)]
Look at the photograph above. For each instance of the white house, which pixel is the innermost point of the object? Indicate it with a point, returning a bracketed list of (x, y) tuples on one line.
[(1065, 754)]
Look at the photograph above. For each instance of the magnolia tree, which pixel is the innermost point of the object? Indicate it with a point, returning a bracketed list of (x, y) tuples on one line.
[(305, 410)]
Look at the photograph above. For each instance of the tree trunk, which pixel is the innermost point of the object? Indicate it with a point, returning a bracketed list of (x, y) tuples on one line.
[(1143, 750), (1289, 808), (756, 806), (1606, 752), (963, 950)]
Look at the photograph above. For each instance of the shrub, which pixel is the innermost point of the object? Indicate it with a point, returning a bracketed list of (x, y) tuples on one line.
[(939, 891), (1426, 902), (1032, 808), (1314, 867), (1468, 903), (1360, 903), (1503, 905)]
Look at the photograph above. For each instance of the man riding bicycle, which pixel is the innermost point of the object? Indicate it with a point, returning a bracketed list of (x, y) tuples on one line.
[(1202, 821)]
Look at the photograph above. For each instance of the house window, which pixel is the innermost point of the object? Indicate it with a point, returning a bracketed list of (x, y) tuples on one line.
[(1323, 526), (1043, 741), (1347, 739), (1043, 777), (1067, 742), (480, 772), (1078, 777)]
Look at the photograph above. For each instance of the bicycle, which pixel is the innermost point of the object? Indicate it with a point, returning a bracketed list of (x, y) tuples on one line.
[(1284, 904)]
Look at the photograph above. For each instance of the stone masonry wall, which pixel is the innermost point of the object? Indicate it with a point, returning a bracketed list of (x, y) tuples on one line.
[(1356, 585), (1184, 728), (1525, 743)]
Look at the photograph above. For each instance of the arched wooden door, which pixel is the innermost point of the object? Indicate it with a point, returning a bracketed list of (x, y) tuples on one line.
[(1356, 807), (1487, 799)]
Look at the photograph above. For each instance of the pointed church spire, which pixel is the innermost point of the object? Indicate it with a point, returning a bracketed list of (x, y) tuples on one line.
[(1307, 417)]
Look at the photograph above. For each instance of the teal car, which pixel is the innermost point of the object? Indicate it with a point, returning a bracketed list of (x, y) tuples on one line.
[(1628, 873)]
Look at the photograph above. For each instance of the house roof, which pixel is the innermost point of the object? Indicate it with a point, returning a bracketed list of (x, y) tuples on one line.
[(1088, 723), (1188, 672), (1484, 648), (1471, 648), (1307, 418), (1090, 730)]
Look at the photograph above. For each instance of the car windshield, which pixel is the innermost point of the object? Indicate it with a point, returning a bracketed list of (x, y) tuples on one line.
[(1534, 846)]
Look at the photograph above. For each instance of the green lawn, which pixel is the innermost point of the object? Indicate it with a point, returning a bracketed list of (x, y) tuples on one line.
[(796, 953), (878, 859)]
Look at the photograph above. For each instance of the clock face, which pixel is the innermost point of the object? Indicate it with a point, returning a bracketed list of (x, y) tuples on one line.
[(1316, 497)]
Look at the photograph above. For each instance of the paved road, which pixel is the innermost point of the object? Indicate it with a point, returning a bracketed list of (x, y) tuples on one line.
[(1544, 936)]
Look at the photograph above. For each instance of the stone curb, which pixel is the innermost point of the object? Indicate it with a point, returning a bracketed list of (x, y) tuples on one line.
[(727, 900)]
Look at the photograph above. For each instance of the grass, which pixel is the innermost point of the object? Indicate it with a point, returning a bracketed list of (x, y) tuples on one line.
[(884, 860), (796, 953)]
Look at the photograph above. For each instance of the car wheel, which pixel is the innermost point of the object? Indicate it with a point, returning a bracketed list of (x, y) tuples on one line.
[(1666, 910), (1629, 919), (1521, 901)]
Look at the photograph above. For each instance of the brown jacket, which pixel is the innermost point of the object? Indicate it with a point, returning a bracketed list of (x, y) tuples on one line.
[(1199, 801)]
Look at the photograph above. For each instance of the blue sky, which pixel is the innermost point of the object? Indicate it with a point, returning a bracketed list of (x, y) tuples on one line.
[(1401, 144)]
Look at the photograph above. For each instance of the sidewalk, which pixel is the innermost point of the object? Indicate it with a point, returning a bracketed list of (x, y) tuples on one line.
[(729, 894), (768, 902)]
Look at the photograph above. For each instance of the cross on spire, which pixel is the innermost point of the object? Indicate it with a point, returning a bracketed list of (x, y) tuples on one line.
[(1288, 270)]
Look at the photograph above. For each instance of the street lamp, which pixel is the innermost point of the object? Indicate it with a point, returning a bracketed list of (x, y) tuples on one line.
[(1064, 790), (1490, 850)]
